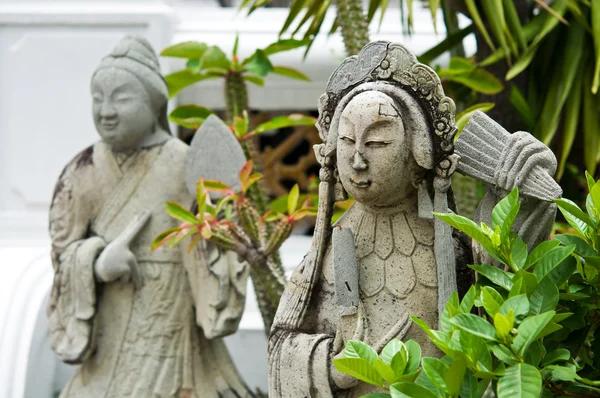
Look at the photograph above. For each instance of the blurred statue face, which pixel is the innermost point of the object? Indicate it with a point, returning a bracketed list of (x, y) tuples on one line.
[(373, 154), (121, 107)]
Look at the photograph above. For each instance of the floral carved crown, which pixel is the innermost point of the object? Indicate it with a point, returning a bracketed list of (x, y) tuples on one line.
[(395, 64)]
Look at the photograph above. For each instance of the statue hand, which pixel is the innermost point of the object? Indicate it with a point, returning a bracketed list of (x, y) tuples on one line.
[(116, 260), (342, 380), (523, 152)]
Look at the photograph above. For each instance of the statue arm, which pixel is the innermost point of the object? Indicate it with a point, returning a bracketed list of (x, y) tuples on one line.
[(72, 304), (218, 283), (299, 358)]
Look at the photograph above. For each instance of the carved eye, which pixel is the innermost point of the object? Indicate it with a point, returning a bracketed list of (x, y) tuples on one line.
[(346, 139), (377, 144), (97, 98)]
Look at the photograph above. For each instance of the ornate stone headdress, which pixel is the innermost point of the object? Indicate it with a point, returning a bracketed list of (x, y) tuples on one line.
[(395, 71)]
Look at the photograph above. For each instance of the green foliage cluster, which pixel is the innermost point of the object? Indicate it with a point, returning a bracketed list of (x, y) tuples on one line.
[(527, 328)]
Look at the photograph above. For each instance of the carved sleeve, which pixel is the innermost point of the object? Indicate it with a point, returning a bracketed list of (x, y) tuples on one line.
[(218, 284), (299, 361), (72, 303)]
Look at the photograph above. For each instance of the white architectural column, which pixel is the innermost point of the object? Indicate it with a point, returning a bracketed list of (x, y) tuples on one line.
[(48, 52)]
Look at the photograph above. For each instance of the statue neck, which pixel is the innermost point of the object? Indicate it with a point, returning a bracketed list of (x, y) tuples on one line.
[(407, 205)]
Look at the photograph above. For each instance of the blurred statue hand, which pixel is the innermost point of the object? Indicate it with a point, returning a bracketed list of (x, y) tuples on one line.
[(116, 260)]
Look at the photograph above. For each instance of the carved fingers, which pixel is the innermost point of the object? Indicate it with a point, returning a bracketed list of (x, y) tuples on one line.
[(115, 262)]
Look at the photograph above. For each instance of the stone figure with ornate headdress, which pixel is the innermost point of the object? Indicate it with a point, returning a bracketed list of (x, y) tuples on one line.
[(388, 140), (140, 323)]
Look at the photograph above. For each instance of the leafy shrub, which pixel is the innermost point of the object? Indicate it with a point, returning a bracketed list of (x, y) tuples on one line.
[(536, 332)]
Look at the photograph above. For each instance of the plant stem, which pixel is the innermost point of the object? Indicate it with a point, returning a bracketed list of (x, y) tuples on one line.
[(353, 23), (264, 280)]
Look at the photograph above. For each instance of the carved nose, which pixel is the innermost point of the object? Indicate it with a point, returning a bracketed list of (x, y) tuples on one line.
[(358, 162), (107, 111)]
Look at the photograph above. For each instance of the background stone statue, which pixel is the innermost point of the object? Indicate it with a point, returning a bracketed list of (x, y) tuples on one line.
[(140, 323), (388, 141)]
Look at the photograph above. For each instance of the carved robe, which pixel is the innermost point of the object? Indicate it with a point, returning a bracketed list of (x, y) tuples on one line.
[(162, 340), (397, 278)]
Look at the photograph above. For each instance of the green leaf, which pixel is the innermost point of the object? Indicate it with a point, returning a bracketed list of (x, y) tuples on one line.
[(491, 299), (214, 57), (295, 8), (390, 350), (448, 43), (455, 376), (558, 355), (519, 305), (529, 282), (467, 226), (258, 64), (591, 126), (529, 330), (254, 80), (571, 124), (285, 121), (518, 101), (290, 72), (414, 356), (565, 73), (468, 300), (563, 271), (574, 215), (463, 117), (581, 246), (478, 80), (189, 116), (540, 29), (595, 10), (495, 275), (284, 45), (504, 354), (503, 325), (551, 260), (181, 79), (293, 196), (188, 49), (437, 371), (358, 349), (540, 251), (410, 390), (385, 371), (176, 211), (518, 255), (475, 325), (360, 369), (544, 297), (520, 381), (474, 14), (164, 237)]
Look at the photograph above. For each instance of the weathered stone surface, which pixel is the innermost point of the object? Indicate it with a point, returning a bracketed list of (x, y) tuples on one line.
[(139, 323), (215, 154), (388, 135)]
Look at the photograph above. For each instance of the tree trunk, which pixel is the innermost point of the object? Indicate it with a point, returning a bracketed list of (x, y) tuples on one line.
[(353, 24)]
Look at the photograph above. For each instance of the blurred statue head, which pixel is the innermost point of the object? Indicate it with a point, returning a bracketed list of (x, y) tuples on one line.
[(129, 95)]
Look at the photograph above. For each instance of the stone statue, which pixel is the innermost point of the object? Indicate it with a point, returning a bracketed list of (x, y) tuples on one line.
[(388, 141), (140, 323)]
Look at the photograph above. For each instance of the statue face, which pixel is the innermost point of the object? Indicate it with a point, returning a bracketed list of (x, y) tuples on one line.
[(121, 107), (374, 161)]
